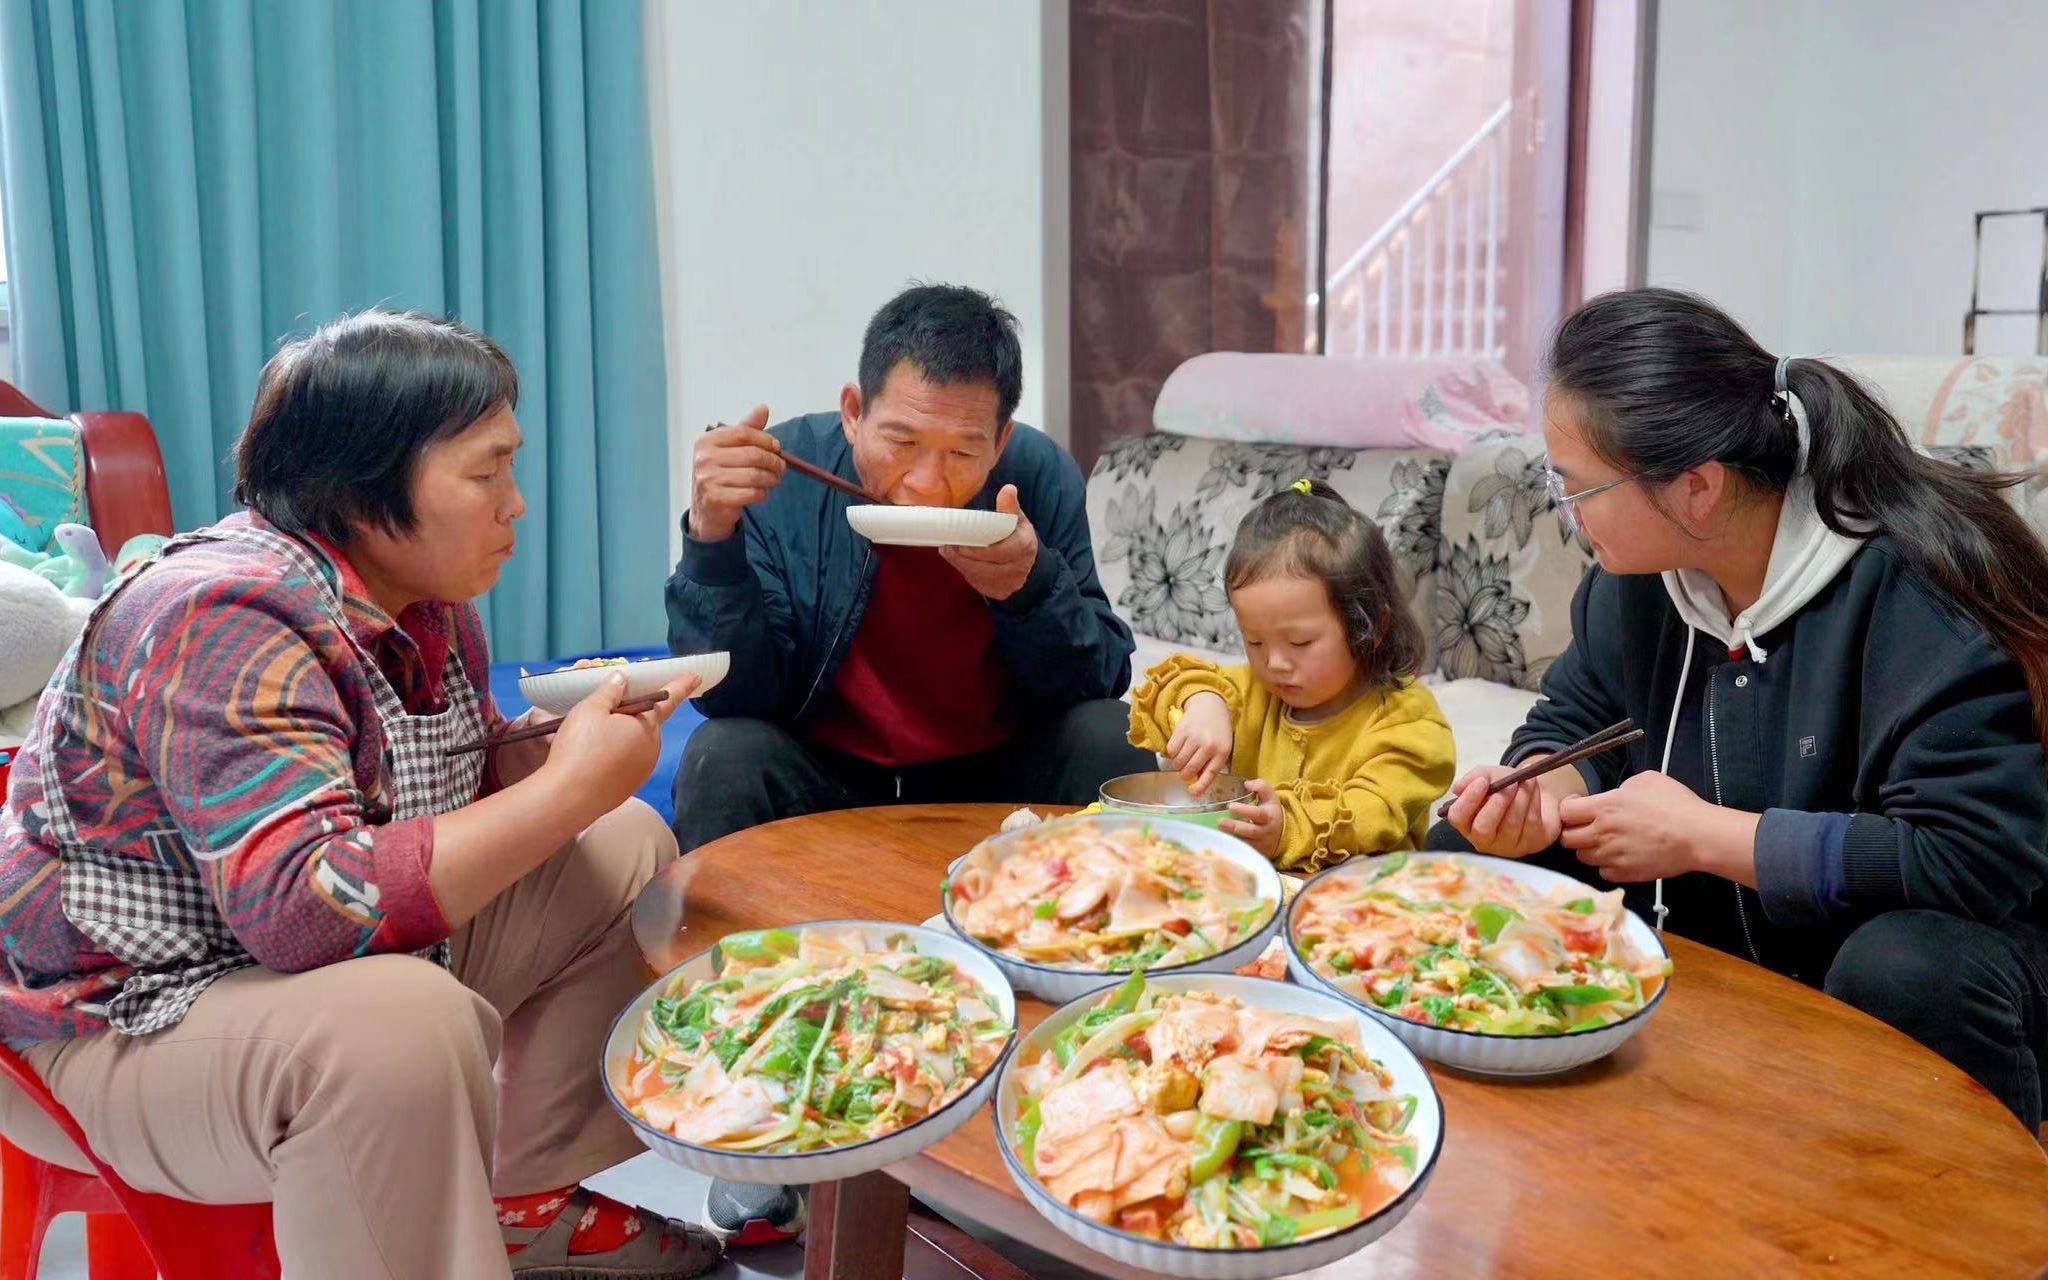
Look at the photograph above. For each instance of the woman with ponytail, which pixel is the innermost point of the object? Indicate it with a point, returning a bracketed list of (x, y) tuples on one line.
[(1839, 647)]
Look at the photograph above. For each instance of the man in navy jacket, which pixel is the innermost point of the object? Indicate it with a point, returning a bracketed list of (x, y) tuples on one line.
[(867, 674)]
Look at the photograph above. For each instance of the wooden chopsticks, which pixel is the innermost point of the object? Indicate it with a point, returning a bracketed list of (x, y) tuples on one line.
[(840, 483), (1614, 735), (823, 476), (630, 707)]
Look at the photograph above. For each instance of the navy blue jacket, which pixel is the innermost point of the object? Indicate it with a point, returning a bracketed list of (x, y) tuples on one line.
[(785, 595), (1887, 740)]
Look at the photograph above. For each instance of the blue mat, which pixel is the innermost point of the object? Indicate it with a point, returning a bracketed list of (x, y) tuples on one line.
[(660, 789)]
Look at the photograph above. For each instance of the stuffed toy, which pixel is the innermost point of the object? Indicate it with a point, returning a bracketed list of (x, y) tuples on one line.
[(77, 565), (37, 625)]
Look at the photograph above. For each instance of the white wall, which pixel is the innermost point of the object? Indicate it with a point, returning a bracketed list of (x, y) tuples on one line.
[(1612, 120), (813, 158), (1815, 165)]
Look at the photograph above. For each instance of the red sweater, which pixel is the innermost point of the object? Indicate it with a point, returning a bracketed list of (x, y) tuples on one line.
[(923, 679)]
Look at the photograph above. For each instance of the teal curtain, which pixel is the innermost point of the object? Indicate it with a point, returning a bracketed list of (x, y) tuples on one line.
[(188, 181)]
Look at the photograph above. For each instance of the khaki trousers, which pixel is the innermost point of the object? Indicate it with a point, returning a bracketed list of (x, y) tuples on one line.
[(360, 1098)]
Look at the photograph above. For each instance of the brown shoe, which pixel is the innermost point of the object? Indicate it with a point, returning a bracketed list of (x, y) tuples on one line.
[(664, 1250)]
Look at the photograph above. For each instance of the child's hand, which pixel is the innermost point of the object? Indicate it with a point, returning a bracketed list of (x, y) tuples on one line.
[(1201, 743), (1258, 824)]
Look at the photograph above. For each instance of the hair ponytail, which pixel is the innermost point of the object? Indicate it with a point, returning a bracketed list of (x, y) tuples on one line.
[(1956, 526), (1668, 382)]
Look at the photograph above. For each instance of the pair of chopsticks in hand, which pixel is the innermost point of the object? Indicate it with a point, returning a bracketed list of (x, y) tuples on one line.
[(1614, 735), (630, 707), (823, 476)]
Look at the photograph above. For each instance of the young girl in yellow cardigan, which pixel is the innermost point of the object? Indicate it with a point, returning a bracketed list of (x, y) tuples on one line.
[(1343, 751)]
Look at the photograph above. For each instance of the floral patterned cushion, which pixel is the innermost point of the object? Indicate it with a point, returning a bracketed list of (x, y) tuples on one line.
[(1164, 508), (1506, 569)]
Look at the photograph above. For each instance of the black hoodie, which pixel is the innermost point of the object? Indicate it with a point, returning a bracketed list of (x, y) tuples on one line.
[(1887, 740)]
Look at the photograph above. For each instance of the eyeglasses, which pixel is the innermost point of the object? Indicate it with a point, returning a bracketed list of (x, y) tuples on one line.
[(1565, 502)]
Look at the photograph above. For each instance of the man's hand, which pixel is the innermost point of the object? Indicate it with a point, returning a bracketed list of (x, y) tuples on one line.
[(998, 572), (733, 468)]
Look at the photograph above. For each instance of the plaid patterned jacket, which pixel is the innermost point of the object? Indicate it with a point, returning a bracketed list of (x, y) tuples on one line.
[(219, 710)]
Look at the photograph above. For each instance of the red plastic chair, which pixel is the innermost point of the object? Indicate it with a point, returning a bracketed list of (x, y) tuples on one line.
[(129, 1234)]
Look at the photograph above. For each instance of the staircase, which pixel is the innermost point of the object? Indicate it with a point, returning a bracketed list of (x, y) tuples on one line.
[(1428, 282)]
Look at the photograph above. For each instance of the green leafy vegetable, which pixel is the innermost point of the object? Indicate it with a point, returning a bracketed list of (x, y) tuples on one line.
[(1028, 1125), (1215, 1146), (1278, 1228), (1342, 1215), (1125, 998), (759, 945), (1491, 918), (1583, 994)]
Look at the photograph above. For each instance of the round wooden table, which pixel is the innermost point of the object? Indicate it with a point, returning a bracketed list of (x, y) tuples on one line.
[(1755, 1127)]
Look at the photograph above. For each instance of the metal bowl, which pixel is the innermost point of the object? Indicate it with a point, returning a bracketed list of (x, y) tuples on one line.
[(1163, 794)]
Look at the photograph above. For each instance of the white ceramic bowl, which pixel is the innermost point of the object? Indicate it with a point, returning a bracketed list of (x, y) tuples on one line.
[(556, 692), (1058, 983), (1481, 1051), (930, 526), (1191, 1263), (836, 1162)]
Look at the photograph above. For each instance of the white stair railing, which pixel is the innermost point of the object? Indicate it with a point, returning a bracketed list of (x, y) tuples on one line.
[(1435, 239)]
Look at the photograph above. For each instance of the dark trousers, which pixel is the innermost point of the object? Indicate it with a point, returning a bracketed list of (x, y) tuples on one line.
[(740, 773), (1977, 994)]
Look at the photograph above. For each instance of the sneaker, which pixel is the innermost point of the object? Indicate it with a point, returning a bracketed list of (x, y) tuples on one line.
[(743, 1213)]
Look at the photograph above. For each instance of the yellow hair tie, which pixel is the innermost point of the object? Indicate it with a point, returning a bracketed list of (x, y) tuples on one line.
[(1304, 486)]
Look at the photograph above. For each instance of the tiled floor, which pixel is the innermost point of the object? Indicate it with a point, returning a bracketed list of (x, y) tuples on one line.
[(647, 1181)]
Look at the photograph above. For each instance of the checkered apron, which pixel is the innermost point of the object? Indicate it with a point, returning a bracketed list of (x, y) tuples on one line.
[(153, 912)]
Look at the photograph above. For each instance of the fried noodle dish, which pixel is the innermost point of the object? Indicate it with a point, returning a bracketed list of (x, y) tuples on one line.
[(804, 1043), (1444, 942), (1078, 895), (1191, 1118)]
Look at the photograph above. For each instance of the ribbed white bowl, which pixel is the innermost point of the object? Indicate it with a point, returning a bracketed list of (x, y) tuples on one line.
[(1185, 1261), (837, 1162), (1056, 984), (556, 692), (1482, 1051), (930, 526)]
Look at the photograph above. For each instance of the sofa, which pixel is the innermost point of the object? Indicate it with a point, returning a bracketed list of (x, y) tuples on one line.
[(1490, 568)]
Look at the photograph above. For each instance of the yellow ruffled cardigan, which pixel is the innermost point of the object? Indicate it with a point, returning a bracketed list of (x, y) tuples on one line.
[(1360, 782)]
